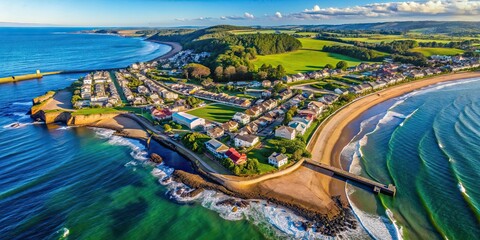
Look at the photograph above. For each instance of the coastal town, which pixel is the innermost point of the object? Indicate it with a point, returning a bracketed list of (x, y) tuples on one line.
[(290, 108), (251, 130)]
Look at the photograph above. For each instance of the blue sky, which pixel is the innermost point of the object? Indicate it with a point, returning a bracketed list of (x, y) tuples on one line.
[(153, 13)]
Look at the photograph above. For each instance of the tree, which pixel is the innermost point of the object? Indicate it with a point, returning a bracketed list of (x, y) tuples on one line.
[(229, 72), (241, 72), (207, 82), (195, 70), (329, 66), (218, 73), (281, 72), (297, 155), (342, 65), (262, 75), (167, 128)]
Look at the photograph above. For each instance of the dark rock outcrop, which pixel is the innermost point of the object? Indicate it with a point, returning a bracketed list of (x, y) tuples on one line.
[(156, 158)]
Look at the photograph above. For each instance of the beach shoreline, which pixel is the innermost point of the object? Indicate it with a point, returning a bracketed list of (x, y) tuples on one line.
[(332, 136)]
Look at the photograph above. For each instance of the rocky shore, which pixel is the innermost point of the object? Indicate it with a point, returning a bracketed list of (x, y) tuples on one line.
[(324, 224)]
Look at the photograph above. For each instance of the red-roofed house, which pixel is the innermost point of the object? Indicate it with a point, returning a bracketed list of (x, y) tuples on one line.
[(161, 114), (235, 156)]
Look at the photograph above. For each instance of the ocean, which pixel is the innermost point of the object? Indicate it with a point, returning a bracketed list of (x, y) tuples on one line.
[(61, 182), (427, 144)]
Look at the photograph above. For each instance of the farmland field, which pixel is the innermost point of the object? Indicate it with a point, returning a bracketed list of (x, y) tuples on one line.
[(309, 58), (264, 31), (438, 51), (216, 112)]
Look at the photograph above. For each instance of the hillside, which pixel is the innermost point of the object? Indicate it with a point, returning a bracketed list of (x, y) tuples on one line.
[(425, 27)]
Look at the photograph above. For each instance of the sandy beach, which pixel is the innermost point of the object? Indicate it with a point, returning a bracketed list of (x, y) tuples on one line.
[(331, 137), (176, 47)]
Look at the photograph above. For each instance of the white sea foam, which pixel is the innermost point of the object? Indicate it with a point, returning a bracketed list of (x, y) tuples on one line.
[(23, 103), (374, 224), (398, 229), (461, 188), (138, 149)]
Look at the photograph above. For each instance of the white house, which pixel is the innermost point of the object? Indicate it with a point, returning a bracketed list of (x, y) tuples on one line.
[(285, 132), (277, 159), (217, 148), (188, 120), (241, 118), (246, 140), (299, 127)]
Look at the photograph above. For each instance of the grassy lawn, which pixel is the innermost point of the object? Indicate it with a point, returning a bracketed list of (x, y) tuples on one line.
[(438, 51), (308, 134), (309, 58), (245, 96), (216, 112), (262, 155), (89, 111), (139, 111)]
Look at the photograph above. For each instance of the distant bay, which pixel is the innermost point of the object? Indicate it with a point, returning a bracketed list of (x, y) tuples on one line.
[(24, 50)]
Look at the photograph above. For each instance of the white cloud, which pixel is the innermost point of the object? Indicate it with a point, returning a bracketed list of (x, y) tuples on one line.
[(248, 15), (278, 15), (392, 9)]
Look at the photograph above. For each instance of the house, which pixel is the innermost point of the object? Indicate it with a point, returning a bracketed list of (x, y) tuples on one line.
[(217, 148), (230, 126), (188, 120), (161, 114), (241, 118), (235, 156), (285, 132), (87, 80), (143, 90), (299, 127), (254, 111), (278, 159), (266, 83), (246, 140), (215, 132), (168, 95), (156, 99), (316, 106)]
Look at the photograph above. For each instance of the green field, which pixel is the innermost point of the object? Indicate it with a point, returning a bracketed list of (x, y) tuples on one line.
[(437, 51), (309, 58), (216, 112)]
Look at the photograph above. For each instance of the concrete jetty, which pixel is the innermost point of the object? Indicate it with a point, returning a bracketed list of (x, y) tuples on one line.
[(376, 186), (36, 75)]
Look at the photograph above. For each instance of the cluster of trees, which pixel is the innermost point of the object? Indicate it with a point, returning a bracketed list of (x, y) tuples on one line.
[(193, 101), (195, 141), (171, 125), (232, 73), (353, 51), (414, 58), (471, 54), (195, 70), (266, 43), (231, 54), (270, 72), (398, 46), (250, 167), (295, 148), (76, 90), (461, 44), (289, 114)]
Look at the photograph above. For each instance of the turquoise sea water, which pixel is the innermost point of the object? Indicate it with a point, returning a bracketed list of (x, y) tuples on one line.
[(428, 144), (84, 183), (87, 182)]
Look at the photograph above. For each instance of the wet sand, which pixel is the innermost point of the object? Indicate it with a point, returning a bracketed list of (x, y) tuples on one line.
[(332, 136)]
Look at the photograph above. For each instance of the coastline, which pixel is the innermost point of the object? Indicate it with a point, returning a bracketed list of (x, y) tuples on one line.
[(175, 48), (333, 135)]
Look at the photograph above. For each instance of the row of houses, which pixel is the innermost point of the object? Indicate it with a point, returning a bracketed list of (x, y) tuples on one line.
[(223, 97), (98, 90)]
